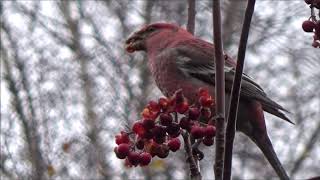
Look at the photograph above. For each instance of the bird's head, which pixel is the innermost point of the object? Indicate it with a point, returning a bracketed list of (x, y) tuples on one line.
[(152, 33)]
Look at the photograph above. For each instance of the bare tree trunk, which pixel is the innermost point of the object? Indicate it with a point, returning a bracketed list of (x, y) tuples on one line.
[(87, 88), (28, 120)]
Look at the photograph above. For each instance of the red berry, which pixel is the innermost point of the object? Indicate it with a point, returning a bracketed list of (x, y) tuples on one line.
[(148, 113), (194, 113), (205, 101), (203, 92), (163, 103), (134, 158), (210, 131), (173, 129), (163, 151), (154, 106), (120, 156), (208, 141), (138, 128), (182, 107), (140, 144), (197, 132), (308, 26), (165, 119), (308, 1), (123, 150), (145, 158), (148, 123), (159, 131), (122, 138), (174, 144)]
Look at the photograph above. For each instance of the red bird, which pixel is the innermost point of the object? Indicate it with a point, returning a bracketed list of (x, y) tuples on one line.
[(178, 60)]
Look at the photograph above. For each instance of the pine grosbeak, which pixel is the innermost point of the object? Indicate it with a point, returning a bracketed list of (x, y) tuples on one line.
[(178, 60)]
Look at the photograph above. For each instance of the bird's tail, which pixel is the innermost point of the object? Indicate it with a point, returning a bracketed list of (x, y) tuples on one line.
[(266, 147)]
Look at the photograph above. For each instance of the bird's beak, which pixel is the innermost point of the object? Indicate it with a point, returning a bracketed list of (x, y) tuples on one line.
[(134, 43)]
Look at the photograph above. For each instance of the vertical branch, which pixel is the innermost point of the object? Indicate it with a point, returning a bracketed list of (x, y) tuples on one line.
[(191, 159), (219, 91), (191, 16), (235, 95)]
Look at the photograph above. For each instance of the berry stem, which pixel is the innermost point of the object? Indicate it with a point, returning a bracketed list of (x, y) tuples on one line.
[(194, 170)]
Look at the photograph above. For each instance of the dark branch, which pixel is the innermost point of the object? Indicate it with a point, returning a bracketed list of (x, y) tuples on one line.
[(191, 16), (194, 171), (235, 95), (219, 91)]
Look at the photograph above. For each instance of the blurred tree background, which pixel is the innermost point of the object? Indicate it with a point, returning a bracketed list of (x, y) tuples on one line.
[(68, 86)]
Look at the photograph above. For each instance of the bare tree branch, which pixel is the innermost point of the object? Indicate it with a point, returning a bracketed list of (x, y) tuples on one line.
[(235, 92), (219, 91)]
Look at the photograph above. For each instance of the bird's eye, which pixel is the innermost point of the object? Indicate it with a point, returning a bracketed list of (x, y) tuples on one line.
[(150, 29)]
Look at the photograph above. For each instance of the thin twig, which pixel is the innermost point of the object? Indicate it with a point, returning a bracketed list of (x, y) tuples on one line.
[(190, 28), (219, 91), (308, 147), (194, 171), (235, 95)]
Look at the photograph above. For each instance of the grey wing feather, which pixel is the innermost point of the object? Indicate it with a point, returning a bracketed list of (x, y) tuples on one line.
[(202, 67)]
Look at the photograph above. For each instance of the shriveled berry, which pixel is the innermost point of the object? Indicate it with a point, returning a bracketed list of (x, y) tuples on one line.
[(197, 132), (174, 144), (145, 158), (152, 148), (140, 144), (163, 103), (210, 131), (184, 123), (148, 134), (123, 150), (308, 26), (208, 141), (148, 123), (206, 101), (165, 119), (159, 139), (182, 107), (173, 129), (203, 92), (138, 128), (148, 113), (154, 106), (163, 151), (159, 131), (205, 113), (179, 96), (194, 113), (134, 158)]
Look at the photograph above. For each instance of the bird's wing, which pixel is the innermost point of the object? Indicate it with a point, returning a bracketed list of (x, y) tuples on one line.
[(196, 60)]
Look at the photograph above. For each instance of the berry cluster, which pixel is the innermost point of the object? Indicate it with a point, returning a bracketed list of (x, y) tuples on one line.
[(312, 24), (162, 123)]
